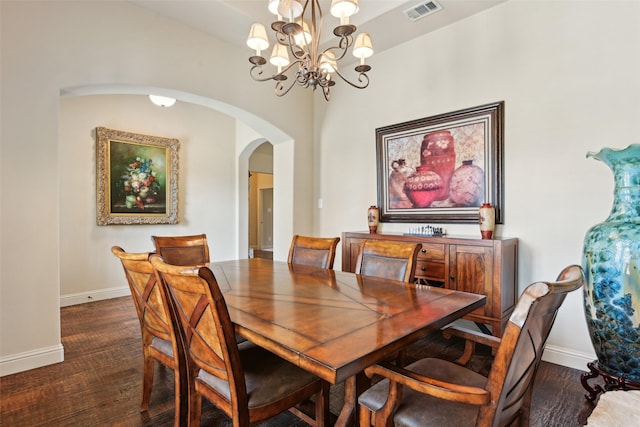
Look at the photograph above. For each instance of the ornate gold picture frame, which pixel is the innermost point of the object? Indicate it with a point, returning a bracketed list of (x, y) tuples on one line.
[(136, 178)]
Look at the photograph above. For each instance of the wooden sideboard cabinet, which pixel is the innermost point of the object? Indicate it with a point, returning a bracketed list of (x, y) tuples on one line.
[(488, 267)]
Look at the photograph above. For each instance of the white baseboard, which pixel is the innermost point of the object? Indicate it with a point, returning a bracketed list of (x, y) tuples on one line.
[(49, 355), (20, 362), (97, 295), (566, 357)]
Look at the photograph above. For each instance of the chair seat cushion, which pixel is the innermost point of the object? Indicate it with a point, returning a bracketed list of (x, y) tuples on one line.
[(163, 346), (268, 377), (419, 410)]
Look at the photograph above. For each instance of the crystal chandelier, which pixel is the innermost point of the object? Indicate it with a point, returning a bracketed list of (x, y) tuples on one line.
[(297, 31)]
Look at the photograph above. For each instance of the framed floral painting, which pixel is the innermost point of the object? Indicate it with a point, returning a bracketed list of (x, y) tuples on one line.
[(442, 168), (136, 178)]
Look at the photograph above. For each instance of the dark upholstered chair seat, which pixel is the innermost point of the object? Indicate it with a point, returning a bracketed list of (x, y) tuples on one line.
[(268, 377), (162, 346), (420, 410)]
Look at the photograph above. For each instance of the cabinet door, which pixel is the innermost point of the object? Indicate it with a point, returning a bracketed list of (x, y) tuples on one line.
[(351, 252), (471, 270)]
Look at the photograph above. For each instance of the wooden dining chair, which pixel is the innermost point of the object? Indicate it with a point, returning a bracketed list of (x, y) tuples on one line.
[(183, 250), (245, 381), (434, 392), (160, 336), (313, 251), (388, 259)]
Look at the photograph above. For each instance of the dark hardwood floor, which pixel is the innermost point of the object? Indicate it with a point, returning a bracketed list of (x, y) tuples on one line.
[(99, 383)]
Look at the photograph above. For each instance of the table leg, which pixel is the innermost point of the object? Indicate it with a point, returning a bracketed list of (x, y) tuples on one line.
[(353, 387)]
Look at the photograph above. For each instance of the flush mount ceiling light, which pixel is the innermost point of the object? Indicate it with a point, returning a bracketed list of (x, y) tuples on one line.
[(162, 101), (299, 36)]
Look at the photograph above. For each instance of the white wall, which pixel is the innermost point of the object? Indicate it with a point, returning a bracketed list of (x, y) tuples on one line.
[(569, 73), (567, 70), (262, 159), (88, 47), (206, 191)]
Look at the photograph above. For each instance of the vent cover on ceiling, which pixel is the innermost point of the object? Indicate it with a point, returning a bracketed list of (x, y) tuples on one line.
[(421, 10)]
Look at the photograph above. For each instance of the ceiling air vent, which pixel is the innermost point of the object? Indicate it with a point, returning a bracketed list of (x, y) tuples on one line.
[(421, 10)]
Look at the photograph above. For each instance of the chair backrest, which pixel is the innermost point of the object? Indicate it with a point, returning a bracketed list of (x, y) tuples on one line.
[(152, 308), (510, 380), (183, 250), (207, 330), (389, 260), (314, 251)]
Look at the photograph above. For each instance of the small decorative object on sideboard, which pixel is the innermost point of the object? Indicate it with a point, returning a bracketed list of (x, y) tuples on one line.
[(373, 216), (426, 230), (487, 220)]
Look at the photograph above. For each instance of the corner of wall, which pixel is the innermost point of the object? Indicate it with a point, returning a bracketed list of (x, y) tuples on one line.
[(27, 360)]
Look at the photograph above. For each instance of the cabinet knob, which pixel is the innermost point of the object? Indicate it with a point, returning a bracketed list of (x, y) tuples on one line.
[(423, 250), (452, 277), (424, 269)]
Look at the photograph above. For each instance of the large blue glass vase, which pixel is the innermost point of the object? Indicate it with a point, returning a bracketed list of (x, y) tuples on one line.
[(611, 261)]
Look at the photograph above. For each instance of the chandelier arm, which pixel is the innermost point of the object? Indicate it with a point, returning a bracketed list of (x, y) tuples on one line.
[(288, 39), (341, 50), (362, 78), (280, 89), (282, 38), (327, 93), (272, 77), (298, 53), (345, 43)]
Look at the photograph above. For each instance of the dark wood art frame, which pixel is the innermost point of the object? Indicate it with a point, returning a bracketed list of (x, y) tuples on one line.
[(136, 178), (442, 168)]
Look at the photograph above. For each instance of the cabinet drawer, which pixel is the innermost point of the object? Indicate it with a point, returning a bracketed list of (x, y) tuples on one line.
[(430, 270), (431, 251)]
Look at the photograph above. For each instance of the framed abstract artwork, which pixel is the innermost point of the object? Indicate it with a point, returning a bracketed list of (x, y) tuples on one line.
[(442, 168), (136, 178)]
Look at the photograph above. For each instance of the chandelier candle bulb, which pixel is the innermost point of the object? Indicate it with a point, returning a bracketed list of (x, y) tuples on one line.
[(303, 38), (363, 47), (343, 9), (273, 8), (258, 38), (292, 9), (279, 56)]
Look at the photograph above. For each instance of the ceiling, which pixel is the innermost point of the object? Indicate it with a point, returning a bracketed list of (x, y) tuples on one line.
[(384, 20)]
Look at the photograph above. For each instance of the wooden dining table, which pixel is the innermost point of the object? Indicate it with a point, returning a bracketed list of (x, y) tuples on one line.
[(331, 323)]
